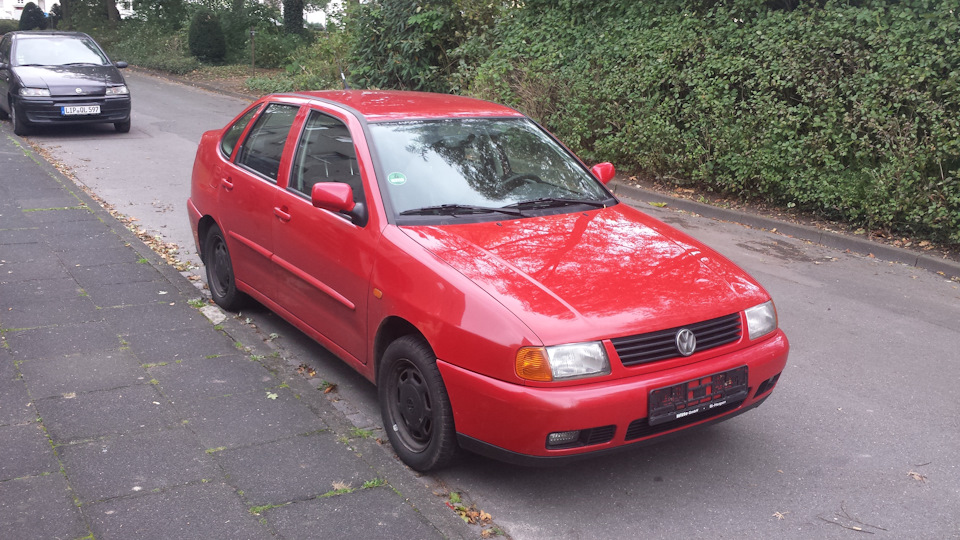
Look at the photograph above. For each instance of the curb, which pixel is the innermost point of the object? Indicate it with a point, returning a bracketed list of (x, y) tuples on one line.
[(830, 239)]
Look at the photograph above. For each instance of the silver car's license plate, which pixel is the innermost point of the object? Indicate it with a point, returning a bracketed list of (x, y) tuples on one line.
[(79, 110)]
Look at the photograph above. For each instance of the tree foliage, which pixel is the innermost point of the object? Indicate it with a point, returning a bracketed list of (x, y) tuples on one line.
[(206, 39), (850, 109), (32, 17)]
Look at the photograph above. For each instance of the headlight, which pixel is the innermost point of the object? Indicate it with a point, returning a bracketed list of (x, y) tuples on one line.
[(761, 320), (117, 90), (35, 92), (562, 362)]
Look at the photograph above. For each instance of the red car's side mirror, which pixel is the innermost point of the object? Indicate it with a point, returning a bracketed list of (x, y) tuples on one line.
[(337, 197), (332, 196), (603, 171)]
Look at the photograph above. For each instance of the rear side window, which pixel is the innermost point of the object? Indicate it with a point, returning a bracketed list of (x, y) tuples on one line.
[(263, 147), (232, 135)]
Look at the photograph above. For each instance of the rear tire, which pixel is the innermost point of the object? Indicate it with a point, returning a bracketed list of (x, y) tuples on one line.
[(414, 404), (220, 277)]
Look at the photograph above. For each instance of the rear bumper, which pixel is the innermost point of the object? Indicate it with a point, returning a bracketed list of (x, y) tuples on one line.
[(511, 422)]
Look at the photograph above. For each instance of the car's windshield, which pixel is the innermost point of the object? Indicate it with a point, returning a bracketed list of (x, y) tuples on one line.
[(58, 51), (468, 165)]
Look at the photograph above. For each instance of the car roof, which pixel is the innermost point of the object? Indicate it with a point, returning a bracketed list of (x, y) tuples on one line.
[(392, 105), (45, 34)]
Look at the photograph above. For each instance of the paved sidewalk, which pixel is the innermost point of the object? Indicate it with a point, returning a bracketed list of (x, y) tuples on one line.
[(126, 413)]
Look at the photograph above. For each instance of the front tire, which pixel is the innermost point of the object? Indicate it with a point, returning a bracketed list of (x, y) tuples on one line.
[(122, 127), (20, 126), (220, 277), (416, 410)]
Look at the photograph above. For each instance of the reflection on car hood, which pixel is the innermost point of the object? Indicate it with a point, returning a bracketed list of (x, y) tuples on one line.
[(65, 80), (595, 274)]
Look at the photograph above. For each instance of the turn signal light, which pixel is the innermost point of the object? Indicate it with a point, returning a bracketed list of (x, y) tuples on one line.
[(533, 365)]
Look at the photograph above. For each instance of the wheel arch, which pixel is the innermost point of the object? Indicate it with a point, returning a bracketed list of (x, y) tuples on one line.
[(203, 227), (391, 329)]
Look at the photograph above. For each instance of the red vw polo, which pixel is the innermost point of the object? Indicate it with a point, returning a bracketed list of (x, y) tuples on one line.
[(462, 259)]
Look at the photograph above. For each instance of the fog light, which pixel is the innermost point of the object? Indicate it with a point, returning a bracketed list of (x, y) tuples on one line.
[(562, 438)]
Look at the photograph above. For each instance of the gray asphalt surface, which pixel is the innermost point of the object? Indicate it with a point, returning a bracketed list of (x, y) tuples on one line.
[(863, 430)]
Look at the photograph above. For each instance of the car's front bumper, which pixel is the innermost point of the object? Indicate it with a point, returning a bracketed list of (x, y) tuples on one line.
[(49, 110), (512, 422)]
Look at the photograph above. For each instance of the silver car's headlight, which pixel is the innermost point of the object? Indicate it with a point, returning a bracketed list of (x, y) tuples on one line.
[(117, 90), (761, 320), (35, 92), (562, 362)]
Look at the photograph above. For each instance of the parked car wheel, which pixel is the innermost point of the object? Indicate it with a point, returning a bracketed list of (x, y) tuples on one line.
[(220, 278), (122, 127), (20, 126), (414, 404)]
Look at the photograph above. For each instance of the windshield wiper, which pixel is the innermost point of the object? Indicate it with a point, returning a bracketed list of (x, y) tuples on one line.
[(458, 209), (553, 202)]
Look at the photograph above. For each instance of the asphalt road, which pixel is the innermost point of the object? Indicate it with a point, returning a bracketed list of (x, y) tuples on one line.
[(862, 434)]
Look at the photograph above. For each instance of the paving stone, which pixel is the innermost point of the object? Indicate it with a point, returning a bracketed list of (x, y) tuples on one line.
[(95, 276), (90, 231), (204, 511), (27, 252), (33, 455), (68, 309), (368, 513), (77, 373), (63, 340), (132, 463), (186, 383), (172, 314), (189, 345), (245, 419), (89, 255), (15, 404), (11, 235), (293, 469), (39, 291), (14, 272), (95, 414), (60, 214), (128, 294), (39, 508)]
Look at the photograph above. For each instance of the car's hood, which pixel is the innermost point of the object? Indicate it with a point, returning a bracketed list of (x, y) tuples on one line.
[(65, 80), (596, 274)]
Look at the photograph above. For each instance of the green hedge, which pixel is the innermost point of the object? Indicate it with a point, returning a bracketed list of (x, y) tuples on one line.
[(848, 109)]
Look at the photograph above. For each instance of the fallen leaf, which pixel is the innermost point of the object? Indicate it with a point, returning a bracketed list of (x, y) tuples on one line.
[(271, 395)]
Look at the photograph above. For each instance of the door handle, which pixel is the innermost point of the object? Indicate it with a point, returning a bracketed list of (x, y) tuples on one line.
[(227, 183), (282, 214)]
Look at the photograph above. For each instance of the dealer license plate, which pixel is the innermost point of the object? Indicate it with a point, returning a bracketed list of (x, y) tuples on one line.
[(75, 110), (697, 396)]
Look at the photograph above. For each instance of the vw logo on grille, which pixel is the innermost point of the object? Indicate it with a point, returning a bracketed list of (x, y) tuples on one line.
[(79, 90), (686, 342)]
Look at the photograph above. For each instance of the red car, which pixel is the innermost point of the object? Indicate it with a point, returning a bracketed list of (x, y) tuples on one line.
[(463, 260)]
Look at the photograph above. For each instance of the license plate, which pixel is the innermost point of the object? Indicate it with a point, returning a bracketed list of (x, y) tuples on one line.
[(75, 110), (697, 396)]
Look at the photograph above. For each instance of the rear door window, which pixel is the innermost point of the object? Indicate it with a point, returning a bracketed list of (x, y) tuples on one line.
[(263, 148)]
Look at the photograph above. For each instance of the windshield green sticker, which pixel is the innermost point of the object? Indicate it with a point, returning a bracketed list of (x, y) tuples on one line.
[(397, 179)]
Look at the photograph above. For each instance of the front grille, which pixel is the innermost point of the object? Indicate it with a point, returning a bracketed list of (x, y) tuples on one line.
[(660, 345), (641, 428)]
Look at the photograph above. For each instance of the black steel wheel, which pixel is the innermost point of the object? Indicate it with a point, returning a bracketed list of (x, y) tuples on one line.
[(220, 278), (414, 404)]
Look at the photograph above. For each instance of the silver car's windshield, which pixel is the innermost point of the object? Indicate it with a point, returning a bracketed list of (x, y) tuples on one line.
[(478, 166)]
